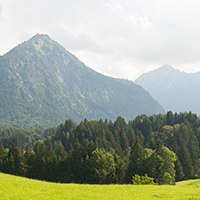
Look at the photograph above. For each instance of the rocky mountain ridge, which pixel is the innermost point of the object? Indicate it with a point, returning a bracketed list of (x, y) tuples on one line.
[(175, 90)]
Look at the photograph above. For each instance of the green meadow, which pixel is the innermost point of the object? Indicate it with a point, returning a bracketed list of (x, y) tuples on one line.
[(13, 187)]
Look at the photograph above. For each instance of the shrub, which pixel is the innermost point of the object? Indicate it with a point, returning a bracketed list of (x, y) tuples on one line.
[(142, 180), (167, 178)]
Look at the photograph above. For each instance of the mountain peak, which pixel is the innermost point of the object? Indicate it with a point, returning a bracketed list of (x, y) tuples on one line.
[(40, 36), (175, 90), (39, 44), (166, 69), (42, 43), (43, 84)]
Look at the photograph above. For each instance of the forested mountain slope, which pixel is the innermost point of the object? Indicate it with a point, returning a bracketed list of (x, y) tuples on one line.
[(173, 89), (42, 84)]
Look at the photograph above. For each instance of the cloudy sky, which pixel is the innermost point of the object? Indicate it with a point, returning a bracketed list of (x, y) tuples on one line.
[(120, 38)]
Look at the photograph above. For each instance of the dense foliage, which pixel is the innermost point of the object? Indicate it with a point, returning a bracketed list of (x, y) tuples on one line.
[(165, 147), (21, 137)]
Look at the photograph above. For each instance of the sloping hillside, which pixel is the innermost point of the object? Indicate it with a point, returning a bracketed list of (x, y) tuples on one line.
[(42, 84)]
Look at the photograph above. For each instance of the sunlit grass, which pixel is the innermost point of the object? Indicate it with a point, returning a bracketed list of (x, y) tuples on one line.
[(12, 187)]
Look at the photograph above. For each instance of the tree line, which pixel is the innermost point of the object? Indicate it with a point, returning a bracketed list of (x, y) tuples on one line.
[(88, 163), (21, 136), (165, 147)]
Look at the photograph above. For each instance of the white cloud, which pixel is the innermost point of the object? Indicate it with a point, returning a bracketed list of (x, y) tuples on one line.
[(143, 21), (119, 38), (115, 5), (110, 64), (146, 24)]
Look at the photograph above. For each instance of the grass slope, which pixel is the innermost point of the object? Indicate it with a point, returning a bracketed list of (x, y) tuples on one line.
[(12, 187)]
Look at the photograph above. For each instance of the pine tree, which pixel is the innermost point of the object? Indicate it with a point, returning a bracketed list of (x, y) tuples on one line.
[(2, 157), (120, 169), (50, 164), (135, 165), (193, 148), (178, 167), (15, 153), (10, 164), (39, 161), (124, 141), (29, 161), (61, 153), (169, 157), (69, 124), (76, 163), (152, 144), (86, 151), (179, 170), (140, 136), (170, 118), (186, 162), (131, 136)]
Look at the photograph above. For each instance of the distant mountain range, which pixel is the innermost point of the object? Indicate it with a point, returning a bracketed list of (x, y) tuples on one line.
[(42, 85), (173, 89)]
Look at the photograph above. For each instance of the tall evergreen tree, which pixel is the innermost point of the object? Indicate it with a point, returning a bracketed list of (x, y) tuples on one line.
[(178, 167), (135, 165), (29, 161), (15, 152), (2, 157), (140, 136), (120, 169), (61, 153), (76, 163), (170, 118), (10, 165), (185, 159), (50, 164), (131, 136), (39, 160), (193, 148), (179, 170)]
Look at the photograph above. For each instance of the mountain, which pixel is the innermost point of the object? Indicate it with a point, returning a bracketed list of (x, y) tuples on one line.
[(175, 90), (42, 84)]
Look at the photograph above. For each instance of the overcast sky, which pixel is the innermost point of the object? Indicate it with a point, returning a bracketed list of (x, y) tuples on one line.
[(120, 38)]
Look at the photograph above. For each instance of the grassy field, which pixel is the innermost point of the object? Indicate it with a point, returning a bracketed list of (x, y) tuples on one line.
[(12, 187)]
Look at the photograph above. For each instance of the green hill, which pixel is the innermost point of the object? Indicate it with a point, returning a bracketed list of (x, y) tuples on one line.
[(42, 84), (14, 188)]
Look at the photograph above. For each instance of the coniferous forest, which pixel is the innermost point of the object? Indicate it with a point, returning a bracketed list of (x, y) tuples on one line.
[(165, 147)]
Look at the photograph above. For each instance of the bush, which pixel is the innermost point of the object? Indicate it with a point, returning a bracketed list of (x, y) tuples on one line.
[(142, 180), (167, 178)]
